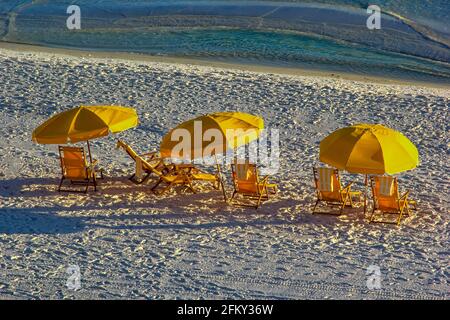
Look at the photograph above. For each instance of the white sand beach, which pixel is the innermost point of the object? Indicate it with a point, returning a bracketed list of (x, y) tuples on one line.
[(131, 244)]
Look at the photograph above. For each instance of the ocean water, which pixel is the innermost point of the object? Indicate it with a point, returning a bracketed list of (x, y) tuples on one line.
[(413, 42)]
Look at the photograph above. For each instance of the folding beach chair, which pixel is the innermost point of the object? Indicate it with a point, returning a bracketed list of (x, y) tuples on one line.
[(153, 164), (169, 179), (197, 175), (153, 161), (386, 198), (75, 168), (329, 190), (249, 185)]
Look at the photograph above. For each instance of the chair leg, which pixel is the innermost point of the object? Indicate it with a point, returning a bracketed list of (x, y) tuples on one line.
[(133, 179), (259, 201), (402, 209), (275, 190), (164, 190), (216, 184), (169, 185), (408, 213), (344, 203), (400, 217), (350, 200), (372, 215), (146, 178), (60, 184), (347, 199), (157, 184), (94, 180), (314, 209), (190, 186)]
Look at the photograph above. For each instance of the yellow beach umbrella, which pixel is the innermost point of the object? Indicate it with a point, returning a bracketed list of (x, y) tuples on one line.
[(85, 123), (369, 149), (243, 127)]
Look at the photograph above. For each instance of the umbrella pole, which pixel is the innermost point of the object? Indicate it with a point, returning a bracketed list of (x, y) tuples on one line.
[(365, 195), (89, 150), (219, 171)]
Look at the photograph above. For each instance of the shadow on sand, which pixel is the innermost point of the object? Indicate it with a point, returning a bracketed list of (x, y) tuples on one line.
[(184, 209)]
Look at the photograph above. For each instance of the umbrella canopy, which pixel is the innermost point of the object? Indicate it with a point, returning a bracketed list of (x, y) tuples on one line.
[(84, 123), (369, 149), (246, 128)]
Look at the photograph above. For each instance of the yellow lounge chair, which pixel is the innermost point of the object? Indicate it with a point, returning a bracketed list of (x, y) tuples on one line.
[(247, 182), (329, 190), (171, 178), (387, 199), (75, 168), (153, 161), (195, 174)]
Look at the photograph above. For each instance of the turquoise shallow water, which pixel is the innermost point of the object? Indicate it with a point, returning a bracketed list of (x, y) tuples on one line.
[(330, 35)]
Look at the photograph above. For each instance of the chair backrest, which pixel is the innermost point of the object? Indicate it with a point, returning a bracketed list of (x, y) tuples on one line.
[(328, 184), (73, 162), (133, 154), (385, 192), (153, 168), (128, 149), (245, 177)]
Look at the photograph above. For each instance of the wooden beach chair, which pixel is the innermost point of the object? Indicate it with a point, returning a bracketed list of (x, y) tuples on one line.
[(153, 161), (168, 179), (153, 164), (386, 199), (329, 190), (197, 175), (249, 185), (75, 168), (187, 175)]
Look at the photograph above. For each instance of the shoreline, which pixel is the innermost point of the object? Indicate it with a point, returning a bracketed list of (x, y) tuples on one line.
[(139, 57)]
